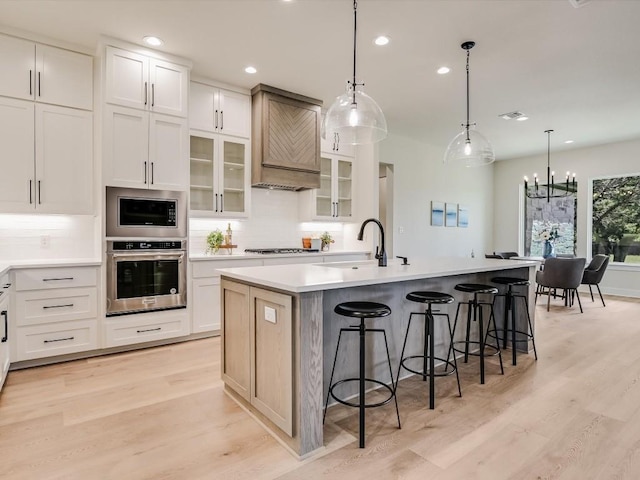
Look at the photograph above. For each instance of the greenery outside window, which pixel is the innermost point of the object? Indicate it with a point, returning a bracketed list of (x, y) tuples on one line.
[(615, 219)]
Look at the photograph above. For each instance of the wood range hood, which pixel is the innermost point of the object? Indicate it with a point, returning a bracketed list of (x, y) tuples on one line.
[(285, 133)]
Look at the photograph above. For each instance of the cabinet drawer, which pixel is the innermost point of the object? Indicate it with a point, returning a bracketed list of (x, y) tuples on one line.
[(204, 268), (37, 307), (146, 328), (56, 339), (58, 277)]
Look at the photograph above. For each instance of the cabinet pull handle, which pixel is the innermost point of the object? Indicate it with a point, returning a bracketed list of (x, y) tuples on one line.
[(145, 171), (6, 285), (153, 94), (145, 94), (152, 173), (6, 326), (56, 279), (30, 196), (337, 141), (39, 89), (216, 202), (222, 202), (216, 120), (58, 306), (221, 119), (39, 194), (59, 339), (150, 330), (30, 82)]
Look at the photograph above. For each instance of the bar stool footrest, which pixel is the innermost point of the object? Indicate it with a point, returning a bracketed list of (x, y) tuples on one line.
[(526, 334), (366, 405), (446, 373), (496, 351)]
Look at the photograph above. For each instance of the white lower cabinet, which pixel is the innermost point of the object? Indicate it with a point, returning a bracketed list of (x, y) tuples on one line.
[(5, 318), (55, 311), (145, 327)]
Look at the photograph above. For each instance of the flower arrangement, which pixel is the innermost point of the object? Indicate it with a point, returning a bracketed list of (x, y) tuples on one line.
[(549, 235)]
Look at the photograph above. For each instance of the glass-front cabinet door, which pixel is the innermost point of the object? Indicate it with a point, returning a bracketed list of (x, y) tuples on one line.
[(344, 188), (202, 173), (324, 201), (333, 200), (234, 155), (219, 175)]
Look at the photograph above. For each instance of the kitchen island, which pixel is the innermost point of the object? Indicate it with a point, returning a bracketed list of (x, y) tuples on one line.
[(279, 330)]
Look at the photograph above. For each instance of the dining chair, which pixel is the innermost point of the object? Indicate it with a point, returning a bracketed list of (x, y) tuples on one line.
[(506, 255), (563, 274), (594, 273)]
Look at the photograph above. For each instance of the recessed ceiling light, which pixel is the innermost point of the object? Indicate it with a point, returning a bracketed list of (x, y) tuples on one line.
[(522, 119), (153, 41), (381, 40), (250, 70), (443, 70), (568, 141)]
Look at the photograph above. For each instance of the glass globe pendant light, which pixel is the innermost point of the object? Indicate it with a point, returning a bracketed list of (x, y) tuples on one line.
[(469, 147), (354, 117)]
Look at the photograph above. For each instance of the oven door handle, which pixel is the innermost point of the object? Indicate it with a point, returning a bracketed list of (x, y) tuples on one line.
[(150, 256)]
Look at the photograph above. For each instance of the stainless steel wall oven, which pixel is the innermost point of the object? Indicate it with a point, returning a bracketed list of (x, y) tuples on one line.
[(143, 276)]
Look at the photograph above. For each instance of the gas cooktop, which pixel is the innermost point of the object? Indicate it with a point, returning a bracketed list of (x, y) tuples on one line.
[(280, 250)]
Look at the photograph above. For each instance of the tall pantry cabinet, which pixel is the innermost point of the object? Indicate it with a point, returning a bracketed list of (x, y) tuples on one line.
[(46, 128)]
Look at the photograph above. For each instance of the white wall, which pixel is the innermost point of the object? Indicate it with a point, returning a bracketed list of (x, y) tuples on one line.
[(601, 160), (420, 177)]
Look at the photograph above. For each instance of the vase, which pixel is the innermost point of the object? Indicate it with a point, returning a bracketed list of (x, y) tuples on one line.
[(548, 250)]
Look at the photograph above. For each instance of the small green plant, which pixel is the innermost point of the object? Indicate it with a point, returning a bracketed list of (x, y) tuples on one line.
[(214, 240), (326, 239)]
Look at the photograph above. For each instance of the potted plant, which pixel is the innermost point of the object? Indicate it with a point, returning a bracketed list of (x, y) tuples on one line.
[(214, 240), (326, 240)]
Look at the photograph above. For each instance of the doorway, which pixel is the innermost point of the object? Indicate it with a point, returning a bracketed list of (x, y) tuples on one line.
[(385, 204)]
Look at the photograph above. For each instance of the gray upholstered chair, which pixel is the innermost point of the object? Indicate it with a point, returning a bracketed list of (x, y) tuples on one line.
[(561, 274), (594, 273)]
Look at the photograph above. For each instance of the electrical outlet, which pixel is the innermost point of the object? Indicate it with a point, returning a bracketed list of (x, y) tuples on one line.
[(45, 241), (400, 229), (270, 314)]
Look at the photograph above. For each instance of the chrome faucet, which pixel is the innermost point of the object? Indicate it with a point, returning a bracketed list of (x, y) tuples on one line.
[(382, 256)]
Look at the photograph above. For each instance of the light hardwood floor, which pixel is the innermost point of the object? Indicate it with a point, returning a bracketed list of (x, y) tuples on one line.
[(161, 414)]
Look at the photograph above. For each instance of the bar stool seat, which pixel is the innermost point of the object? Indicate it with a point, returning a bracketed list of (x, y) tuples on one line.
[(510, 306), (428, 355), (362, 310), (474, 313)]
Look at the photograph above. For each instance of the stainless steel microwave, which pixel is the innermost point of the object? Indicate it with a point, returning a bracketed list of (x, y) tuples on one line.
[(133, 212)]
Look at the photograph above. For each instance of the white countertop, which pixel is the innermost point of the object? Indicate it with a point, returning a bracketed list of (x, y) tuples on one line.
[(312, 277), (242, 255), (6, 265)]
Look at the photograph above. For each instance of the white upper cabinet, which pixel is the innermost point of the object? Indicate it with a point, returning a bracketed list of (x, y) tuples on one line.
[(213, 109), (57, 175), (32, 71), (137, 81), (143, 150)]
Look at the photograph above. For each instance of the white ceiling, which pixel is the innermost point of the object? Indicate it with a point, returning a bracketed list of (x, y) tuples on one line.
[(575, 70)]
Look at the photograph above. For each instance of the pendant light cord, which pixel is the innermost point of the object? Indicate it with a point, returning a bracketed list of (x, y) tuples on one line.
[(355, 29), (467, 125)]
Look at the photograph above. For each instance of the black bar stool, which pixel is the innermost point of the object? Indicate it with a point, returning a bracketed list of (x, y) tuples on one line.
[(362, 310), (510, 306), (475, 306), (428, 354)]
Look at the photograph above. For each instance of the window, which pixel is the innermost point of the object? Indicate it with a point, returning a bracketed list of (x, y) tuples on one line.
[(556, 216), (615, 218)]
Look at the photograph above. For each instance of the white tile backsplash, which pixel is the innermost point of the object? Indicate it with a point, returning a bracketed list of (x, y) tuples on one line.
[(33, 236), (273, 223)]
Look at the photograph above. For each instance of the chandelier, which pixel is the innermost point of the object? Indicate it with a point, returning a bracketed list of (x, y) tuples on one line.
[(551, 189)]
